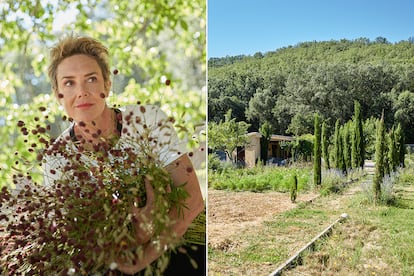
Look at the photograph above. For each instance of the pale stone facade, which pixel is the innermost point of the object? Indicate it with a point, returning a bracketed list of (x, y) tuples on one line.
[(252, 150)]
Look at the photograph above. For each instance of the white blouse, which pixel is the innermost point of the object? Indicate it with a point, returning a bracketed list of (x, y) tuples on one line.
[(142, 126)]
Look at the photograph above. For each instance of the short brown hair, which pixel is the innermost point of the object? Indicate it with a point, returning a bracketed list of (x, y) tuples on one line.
[(78, 45)]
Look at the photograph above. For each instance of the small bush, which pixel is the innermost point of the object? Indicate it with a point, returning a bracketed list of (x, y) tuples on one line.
[(356, 173), (332, 181), (387, 190), (406, 177), (214, 163)]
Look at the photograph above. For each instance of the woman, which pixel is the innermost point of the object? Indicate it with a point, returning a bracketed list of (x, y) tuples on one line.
[(80, 76)]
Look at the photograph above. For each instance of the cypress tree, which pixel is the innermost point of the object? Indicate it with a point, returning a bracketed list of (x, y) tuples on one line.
[(358, 147), (324, 142), (341, 156), (387, 160), (379, 159), (399, 136), (337, 146), (317, 152), (392, 151), (266, 132), (346, 138)]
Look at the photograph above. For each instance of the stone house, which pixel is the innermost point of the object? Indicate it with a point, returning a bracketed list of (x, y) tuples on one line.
[(251, 153)]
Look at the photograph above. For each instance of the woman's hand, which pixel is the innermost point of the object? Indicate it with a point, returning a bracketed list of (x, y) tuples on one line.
[(181, 172), (149, 255), (143, 217)]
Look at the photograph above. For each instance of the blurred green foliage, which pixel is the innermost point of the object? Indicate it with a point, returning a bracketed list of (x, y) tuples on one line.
[(149, 42)]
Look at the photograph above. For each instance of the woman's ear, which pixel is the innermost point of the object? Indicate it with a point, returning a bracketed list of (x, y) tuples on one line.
[(108, 85)]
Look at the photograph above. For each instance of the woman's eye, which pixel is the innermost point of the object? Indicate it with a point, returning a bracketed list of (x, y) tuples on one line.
[(68, 83), (92, 79)]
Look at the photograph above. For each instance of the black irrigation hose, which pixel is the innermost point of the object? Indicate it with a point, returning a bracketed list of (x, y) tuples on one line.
[(296, 259)]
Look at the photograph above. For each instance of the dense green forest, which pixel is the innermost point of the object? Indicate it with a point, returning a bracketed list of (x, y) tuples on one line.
[(287, 86)]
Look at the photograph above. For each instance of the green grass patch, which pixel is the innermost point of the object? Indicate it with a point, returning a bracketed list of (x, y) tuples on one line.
[(225, 258), (376, 240), (273, 242), (258, 179), (282, 225), (335, 181), (259, 251)]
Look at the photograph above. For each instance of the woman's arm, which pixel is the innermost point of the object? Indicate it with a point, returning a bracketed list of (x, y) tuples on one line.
[(181, 171)]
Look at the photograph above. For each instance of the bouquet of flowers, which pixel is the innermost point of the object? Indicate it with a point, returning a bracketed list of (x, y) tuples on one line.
[(88, 219)]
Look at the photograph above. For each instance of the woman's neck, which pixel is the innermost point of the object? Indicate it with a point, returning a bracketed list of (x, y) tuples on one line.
[(101, 130)]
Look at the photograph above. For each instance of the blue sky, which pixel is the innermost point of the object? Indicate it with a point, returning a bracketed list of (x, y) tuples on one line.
[(244, 27)]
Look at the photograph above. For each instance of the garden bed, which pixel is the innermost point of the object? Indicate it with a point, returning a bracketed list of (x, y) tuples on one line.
[(254, 233), (230, 213)]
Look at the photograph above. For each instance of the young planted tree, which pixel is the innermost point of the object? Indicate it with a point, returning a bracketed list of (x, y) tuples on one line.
[(358, 149), (325, 144), (227, 136), (379, 159), (294, 189), (317, 152)]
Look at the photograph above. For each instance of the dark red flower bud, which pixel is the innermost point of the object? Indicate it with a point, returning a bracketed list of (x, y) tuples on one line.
[(39, 157), (41, 129)]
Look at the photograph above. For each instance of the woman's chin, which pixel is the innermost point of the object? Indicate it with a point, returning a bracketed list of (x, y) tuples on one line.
[(84, 119)]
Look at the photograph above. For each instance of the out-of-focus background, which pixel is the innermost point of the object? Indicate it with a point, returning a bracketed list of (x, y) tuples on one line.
[(158, 47)]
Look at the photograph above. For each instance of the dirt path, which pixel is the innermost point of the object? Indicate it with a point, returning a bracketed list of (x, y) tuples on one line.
[(229, 213)]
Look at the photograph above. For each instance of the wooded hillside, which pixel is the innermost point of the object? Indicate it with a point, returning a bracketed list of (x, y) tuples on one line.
[(287, 86)]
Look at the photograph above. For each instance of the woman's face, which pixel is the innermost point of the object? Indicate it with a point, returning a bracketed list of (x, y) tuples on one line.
[(81, 88)]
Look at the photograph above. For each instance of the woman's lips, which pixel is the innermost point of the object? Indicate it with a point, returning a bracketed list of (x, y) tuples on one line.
[(84, 105)]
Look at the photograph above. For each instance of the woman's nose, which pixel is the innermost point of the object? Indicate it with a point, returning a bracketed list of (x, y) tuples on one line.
[(82, 91)]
